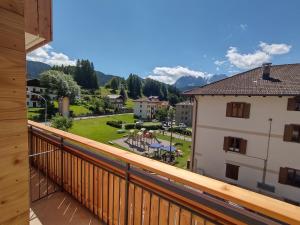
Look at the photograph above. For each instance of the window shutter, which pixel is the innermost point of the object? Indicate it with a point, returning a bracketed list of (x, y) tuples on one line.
[(226, 144), (243, 146), (288, 132), (291, 106), (229, 109), (247, 110), (283, 175)]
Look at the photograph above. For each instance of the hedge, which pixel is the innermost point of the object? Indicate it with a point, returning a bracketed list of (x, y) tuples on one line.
[(116, 124), (181, 131), (129, 126)]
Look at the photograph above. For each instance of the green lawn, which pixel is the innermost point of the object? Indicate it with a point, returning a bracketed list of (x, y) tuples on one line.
[(79, 110), (185, 148), (96, 129)]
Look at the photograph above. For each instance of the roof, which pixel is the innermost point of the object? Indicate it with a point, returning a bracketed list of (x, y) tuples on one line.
[(114, 96), (284, 81), (185, 103), (34, 83), (151, 100)]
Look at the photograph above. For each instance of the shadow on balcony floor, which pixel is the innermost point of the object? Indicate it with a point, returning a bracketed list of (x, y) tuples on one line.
[(60, 208)]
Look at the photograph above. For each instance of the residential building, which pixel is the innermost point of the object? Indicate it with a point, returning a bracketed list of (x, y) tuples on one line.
[(184, 113), (145, 108), (34, 91), (247, 130), (49, 176), (117, 101)]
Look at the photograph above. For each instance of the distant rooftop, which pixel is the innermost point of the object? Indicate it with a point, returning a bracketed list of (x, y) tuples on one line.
[(185, 103), (283, 80), (114, 96)]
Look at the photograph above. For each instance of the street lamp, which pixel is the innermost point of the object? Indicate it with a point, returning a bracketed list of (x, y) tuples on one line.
[(29, 92)]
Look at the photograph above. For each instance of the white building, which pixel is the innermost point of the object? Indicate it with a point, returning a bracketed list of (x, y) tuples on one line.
[(246, 130), (145, 108), (33, 90)]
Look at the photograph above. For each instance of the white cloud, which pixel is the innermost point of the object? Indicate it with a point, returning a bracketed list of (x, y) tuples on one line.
[(169, 75), (255, 59), (275, 49), (47, 55), (243, 26), (219, 63)]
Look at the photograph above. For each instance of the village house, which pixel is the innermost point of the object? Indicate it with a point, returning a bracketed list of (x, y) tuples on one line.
[(184, 113), (145, 108), (246, 130), (34, 91), (116, 101)]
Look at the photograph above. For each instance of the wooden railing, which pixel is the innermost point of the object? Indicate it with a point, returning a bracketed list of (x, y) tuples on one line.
[(124, 188)]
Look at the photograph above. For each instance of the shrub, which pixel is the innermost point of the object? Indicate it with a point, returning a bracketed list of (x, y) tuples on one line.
[(61, 122), (181, 131), (116, 124), (129, 126)]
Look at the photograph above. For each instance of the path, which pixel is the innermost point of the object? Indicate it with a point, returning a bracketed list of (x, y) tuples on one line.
[(101, 116)]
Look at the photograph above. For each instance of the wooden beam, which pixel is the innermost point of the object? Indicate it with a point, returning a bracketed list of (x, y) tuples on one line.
[(260, 203)]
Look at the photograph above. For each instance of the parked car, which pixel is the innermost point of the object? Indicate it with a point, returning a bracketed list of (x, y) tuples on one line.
[(182, 125)]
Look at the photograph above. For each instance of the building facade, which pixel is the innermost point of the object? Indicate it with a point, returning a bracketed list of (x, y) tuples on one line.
[(247, 131), (145, 108), (184, 113), (33, 90), (116, 101)]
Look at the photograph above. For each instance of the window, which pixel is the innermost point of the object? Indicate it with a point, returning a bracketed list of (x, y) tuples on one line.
[(238, 109), (234, 144), (232, 171), (292, 133), (289, 176), (293, 104), (140, 106)]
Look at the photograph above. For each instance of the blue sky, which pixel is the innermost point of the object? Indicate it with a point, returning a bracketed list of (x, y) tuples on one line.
[(166, 39)]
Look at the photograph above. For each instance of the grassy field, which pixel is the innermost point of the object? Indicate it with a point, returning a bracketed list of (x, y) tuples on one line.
[(185, 148), (96, 129)]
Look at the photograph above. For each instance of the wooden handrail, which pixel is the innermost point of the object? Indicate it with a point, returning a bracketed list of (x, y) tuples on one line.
[(260, 203)]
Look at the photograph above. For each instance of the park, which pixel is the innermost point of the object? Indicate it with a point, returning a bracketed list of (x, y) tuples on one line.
[(151, 143)]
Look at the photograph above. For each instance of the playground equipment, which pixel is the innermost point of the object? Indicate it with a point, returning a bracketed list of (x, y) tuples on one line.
[(142, 138)]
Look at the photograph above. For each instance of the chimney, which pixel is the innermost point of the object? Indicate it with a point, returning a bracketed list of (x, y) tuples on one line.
[(266, 71)]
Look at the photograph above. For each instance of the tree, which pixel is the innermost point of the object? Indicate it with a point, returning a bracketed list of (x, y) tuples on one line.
[(61, 84), (161, 114), (114, 83), (123, 93), (85, 75), (61, 122), (134, 85), (173, 99), (152, 88)]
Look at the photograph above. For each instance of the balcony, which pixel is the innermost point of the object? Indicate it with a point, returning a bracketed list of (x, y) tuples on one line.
[(111, 186)]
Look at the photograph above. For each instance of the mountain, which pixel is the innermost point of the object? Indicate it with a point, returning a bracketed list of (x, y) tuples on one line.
[(189, 82), (35, 68)]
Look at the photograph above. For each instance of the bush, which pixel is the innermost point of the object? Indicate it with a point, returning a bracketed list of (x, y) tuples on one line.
[(129, 126), (61, 122), (149, 126), (116, 124), (181, 131)]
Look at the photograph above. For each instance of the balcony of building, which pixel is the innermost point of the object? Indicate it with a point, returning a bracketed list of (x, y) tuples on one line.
[(75, 180)]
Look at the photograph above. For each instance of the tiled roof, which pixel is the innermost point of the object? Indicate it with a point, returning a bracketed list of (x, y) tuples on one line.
[(185, 103), (284, 81)]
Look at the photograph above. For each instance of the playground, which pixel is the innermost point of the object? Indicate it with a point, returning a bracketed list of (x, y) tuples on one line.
[(146, 143)]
